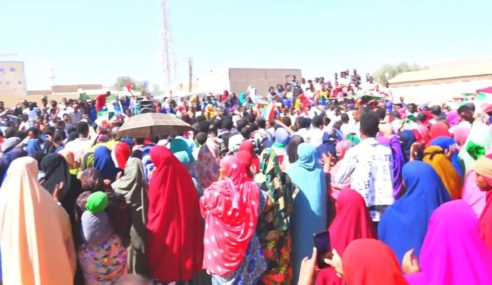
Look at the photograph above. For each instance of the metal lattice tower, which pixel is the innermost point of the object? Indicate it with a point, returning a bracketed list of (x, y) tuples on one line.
[(167, 61)]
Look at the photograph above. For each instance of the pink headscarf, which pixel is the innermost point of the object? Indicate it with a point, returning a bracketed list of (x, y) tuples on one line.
[(472, 195), (461, 134), (230, 209), (453, 252), (342, 147), (453, 118)]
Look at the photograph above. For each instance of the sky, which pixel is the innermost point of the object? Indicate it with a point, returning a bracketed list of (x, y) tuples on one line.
[(95, 41)]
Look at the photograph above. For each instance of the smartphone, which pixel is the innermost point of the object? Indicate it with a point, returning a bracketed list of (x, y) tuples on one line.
[(323, 246)]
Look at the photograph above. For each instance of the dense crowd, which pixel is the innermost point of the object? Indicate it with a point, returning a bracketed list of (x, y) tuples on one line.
[(401, 189)]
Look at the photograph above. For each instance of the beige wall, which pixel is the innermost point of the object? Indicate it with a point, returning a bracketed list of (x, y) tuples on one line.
[(12, 78), (261, 79)]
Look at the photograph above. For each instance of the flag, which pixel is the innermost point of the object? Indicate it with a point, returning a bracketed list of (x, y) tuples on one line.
[(268, 113), (129, 87)]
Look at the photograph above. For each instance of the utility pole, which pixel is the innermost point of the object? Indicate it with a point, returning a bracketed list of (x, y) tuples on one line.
[(167, 46), (190, 74)]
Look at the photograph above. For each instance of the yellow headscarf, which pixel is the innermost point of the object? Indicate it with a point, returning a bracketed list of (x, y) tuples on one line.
[(451, 179)]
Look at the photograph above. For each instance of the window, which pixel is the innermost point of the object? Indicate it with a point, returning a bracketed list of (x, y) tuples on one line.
[(12, 69)]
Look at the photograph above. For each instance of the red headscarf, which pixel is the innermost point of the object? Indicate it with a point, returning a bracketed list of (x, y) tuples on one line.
[(352, 221), (174, 227), (248, 147), (439, 129), (371, 262), (122, 152), (230, 209)]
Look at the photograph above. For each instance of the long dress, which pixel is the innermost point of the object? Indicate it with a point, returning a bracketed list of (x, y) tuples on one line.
[(310, 203)]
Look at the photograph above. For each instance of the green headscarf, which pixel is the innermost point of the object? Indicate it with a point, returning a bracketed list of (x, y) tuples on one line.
[(97, 202), (477, 144)]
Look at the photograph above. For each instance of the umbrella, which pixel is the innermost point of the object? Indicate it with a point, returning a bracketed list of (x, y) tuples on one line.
[(152, 125)]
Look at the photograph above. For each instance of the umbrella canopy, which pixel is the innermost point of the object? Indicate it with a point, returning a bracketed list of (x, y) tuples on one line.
[(485, 90), (153, 125)]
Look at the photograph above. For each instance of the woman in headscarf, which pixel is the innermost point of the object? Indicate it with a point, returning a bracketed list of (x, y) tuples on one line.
[(407, 138), (439, 129), (449, 145), (453, 252), (435, 157), (291, 151), (368, 262), (341, 148), (231, 207), (104, 163), (352, 221), (56, 174), (121, 153), (483, 170), (274, 224), (133, 187), (102, 255), (206, 167), (393, 142), (453, 118), (310, 210), (174, 227), (461, 135), (404, 224), (476, 146), (280, 143), (250, 148), (35, 234)]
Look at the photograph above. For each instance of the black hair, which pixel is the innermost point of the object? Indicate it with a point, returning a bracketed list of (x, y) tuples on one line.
[(261, 123), (227, 123), (381, 112), (82, 129), (317, 121), (464, 108), (201, 137), (286, 121), (421, 117), (10, 132), (241, 124), (369, 124), (344, 118), (436, 110), (246, 132)]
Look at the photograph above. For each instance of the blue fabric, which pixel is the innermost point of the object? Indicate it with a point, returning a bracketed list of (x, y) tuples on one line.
[(404, 224), (33, 147), (407, 138), (282, 136), (310, 203), (445, 143), (104, 163)]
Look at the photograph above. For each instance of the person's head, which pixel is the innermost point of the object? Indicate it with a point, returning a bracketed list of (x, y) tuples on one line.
[(261, 123), (483, 171), (201, 138), (396, 115), (436, 110), (287, 121), (10, 132), (369, 124), (83, 129), (91, 180), (381, 112), (344, 118), (241, 124), (246, 132), (227, 123), (318, 122), (34, 132), (466, 113)]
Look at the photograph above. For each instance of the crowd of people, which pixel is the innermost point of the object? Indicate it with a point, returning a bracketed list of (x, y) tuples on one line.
[(402, 189)]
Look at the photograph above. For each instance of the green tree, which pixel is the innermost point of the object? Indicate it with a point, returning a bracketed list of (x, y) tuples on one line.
[(122, 81), (388, 71)]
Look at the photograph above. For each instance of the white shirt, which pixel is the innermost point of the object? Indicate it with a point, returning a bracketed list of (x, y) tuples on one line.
[(79, 147), (348, 129), (368, 165)]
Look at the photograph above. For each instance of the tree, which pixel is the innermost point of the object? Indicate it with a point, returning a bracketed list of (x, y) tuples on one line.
[(388, 71), (122, 82)]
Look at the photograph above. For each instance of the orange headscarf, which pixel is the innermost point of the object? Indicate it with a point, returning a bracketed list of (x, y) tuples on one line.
[(451, 179)]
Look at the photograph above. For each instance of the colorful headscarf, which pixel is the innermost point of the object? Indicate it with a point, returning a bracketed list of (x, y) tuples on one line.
[(483, 166), (434, 156), (104, 163), (478, 142), (446, 143)]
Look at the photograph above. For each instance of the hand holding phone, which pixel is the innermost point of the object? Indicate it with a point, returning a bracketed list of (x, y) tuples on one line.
[(323, 248)]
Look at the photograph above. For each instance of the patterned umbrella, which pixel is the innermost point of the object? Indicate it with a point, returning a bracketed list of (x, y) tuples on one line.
[(151, 125)]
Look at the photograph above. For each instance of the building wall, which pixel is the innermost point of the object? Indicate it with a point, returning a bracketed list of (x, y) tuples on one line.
[(438, 91), (261, 79), (12, 78)]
